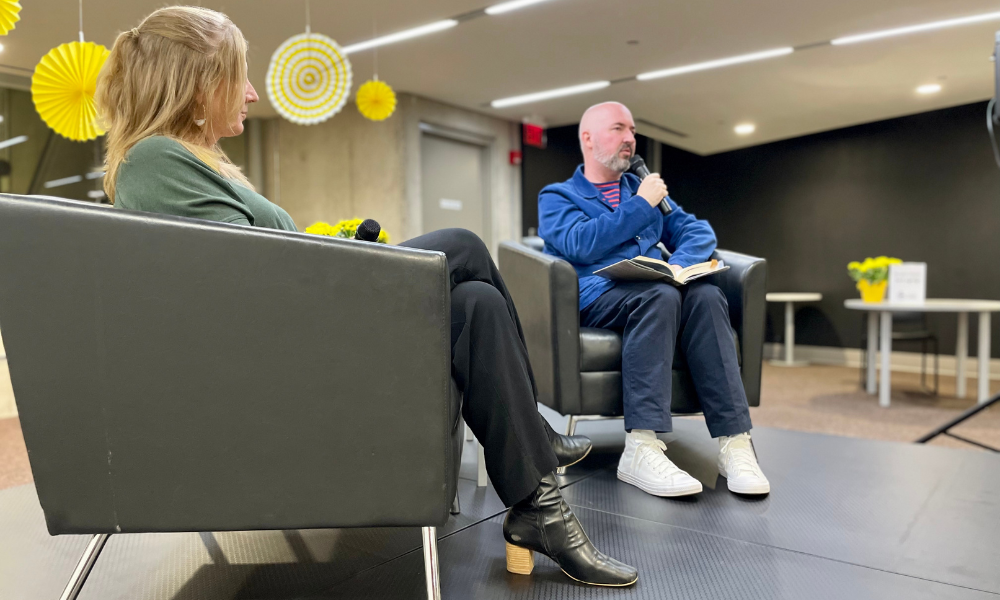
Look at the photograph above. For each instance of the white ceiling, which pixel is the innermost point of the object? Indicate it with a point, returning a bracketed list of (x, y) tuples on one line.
[(567, 42)]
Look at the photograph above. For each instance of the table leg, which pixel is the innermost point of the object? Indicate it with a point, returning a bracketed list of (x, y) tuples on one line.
[(961, 352), (984, 357), (872, 349), (789, 333), (886, 342)]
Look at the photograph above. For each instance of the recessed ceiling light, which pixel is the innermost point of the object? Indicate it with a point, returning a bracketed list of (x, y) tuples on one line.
[(503, 7), (399, 36), (714, 64), (1, 47), (930, 88), (745, 128), (556, 93), (864, 37)]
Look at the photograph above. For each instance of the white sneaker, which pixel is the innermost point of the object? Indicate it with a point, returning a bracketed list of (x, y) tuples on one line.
[(644, 465), (738, 464)]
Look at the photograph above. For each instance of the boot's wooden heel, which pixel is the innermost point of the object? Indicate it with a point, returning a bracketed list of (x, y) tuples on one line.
[(520, 561)]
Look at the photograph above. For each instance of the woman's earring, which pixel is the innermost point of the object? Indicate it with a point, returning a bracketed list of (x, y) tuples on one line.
[(200, 122)]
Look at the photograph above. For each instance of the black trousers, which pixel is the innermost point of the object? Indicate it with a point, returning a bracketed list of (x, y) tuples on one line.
[(490, 365)]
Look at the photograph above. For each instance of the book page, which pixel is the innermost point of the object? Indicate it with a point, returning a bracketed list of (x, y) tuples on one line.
[(700, 269), (646, 259)]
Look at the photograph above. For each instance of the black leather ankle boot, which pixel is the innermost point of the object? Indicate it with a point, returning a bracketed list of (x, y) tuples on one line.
[(569, 449), (543, 522)]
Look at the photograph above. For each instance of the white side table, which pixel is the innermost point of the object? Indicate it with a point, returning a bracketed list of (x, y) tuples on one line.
[(880, 329), (790, 299)]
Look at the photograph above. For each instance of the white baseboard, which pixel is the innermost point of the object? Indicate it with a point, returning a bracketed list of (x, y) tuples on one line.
[(903, 362)]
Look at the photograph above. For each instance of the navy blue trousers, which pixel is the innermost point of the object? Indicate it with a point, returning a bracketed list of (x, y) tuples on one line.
[(655, 318)]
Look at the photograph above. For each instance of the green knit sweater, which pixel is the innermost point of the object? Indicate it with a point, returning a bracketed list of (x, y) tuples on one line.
[(160, 175)]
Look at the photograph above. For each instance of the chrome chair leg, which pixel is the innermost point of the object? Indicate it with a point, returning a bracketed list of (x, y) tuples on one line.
[(83, 568), (432, 572), (482, 479)]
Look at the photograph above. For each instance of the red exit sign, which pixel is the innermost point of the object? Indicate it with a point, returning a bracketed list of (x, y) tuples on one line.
[(533, 135)]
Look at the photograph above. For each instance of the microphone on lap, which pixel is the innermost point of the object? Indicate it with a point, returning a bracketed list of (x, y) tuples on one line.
[(638, 167), (368, 231)]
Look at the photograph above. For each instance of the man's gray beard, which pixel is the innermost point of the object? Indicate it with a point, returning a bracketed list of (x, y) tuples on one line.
[(613, 161)]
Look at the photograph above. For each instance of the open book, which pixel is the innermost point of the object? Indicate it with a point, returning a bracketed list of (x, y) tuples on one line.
[(650, 269)]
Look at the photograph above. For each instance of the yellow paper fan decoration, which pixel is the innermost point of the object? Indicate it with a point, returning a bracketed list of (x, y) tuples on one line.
[(63, 86), (8, 15), (309, 78), (376, 100)]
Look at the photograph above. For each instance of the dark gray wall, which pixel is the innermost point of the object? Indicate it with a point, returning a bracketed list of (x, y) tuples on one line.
[(921, 188)]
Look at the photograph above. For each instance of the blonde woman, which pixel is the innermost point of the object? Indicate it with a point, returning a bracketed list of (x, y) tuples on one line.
[(175, 85)]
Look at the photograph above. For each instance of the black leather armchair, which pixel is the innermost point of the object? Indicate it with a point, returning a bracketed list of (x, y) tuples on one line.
[(181, 375), (578, 369)]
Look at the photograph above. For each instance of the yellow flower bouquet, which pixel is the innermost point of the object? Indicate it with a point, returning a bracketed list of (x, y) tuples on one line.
[(343, 229), (872, 276)]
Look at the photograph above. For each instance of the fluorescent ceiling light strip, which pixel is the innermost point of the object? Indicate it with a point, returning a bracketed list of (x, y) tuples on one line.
[(864, 37), (399, 36), (556, 93), (715, 64), (13, 141), (63, 181), (97, 175), (503, 7)]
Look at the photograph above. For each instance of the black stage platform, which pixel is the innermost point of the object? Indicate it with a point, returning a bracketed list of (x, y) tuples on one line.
[(846, 518)]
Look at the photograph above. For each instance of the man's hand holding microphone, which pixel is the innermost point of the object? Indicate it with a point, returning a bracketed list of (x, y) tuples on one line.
[(653, 189)]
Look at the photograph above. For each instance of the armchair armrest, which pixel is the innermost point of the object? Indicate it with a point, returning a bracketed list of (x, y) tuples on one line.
[(546, 292), (745, 285)]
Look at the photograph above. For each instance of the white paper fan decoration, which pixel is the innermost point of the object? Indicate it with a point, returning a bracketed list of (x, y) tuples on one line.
[(309, 79)]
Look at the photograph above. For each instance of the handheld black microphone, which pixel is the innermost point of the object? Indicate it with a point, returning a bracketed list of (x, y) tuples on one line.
[(639, 168), (368, 231)]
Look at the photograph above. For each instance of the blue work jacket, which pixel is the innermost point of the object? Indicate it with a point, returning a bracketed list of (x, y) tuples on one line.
[(582, 229)]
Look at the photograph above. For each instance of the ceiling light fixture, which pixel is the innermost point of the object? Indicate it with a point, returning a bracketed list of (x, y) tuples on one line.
[(63, 181), (864, 37), (714, 64), (930, 88), (503, 7), (13, 141), (745, 128), (1, 47), (556, 93), (399, 36)]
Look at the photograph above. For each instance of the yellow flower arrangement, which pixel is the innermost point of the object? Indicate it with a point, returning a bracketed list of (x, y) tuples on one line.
[(871, 276), (343, 229), (376, 100), (873, 270)]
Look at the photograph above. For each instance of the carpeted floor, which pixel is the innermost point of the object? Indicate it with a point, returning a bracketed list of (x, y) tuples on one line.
[(830, 400), (818, 399)]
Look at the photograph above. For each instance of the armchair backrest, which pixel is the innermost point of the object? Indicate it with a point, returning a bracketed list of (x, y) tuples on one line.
[(181, 375), (550, 317)]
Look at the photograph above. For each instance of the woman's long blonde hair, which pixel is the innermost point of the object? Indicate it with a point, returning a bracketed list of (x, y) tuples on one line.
[(165, 73)]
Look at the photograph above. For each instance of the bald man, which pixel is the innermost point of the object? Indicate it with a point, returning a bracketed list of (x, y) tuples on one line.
[(603, 215)]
